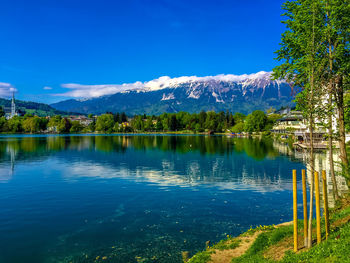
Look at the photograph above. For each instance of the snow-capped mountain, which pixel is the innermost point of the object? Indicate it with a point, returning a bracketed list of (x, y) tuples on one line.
[(236, 93)]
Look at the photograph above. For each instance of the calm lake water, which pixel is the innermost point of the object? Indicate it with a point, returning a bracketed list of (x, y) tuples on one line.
[(135, 198)]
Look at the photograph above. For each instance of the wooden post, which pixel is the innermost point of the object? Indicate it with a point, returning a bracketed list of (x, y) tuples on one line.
[(318, 212), (295, 211), (304, 205), (325, 203)]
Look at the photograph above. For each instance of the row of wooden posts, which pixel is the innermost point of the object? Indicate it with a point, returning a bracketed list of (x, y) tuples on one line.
[(318, 210)]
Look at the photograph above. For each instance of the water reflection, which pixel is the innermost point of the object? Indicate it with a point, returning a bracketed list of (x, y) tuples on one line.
[(127, 196), (255, 148), (167, 160), (321, 163), (153, 158)]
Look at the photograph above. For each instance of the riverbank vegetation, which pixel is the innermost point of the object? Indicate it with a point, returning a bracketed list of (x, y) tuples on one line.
[(257, 121), (275, 243), (314, 56)]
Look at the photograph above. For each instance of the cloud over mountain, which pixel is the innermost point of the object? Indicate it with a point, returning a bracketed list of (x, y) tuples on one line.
[(241, 93), (94, 91)]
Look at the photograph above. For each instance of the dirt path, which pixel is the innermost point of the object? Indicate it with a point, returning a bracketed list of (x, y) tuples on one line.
[(225, 256)]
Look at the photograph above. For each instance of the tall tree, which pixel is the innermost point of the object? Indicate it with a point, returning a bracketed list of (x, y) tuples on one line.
[(301, 65), (338, 38)]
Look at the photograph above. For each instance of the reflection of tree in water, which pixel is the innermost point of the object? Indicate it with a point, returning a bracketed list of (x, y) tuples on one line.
[(256, 148), (29, 147), (110, 143), (184, 144)]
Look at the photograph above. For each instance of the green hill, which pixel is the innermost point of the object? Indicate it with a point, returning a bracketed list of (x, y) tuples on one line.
[(35, 108)]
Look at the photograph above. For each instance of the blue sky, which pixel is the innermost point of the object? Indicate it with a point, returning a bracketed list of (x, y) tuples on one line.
[(45, 44)]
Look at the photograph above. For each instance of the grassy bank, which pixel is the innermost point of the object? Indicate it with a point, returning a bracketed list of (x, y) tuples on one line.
[(275, 243)]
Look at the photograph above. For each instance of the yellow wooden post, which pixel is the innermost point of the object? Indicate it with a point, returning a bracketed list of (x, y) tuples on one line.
[(304, 205), (295, 211), (318, 212), (325, 203)]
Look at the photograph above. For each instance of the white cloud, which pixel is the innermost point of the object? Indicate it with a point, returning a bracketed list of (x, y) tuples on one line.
[(93, 91), (6, 89), (47, 88)]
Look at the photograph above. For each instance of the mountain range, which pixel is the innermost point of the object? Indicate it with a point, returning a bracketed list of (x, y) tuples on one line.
[(236, 93)]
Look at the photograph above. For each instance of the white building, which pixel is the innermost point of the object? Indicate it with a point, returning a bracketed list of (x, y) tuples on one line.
[(13, 112)]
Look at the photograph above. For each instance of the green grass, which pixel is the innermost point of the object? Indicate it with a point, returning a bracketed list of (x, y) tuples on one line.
[(204, 256), (335, 249), (262, 242), (228, 243), (201, 257)]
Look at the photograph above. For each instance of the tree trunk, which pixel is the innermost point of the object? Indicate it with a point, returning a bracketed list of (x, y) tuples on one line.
[(312, 172), (330, 116), (330, 146), (342, 145)]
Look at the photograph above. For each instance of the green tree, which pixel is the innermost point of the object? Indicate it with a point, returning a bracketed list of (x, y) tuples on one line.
[(301, 56), (173, 123), (149, 124), (211, 122), (76, 127), (54, 123), (123, 117), (337, 21), (202, 118), (91, 127), (238, 117), (14, 125), (238, 128), (137, 123), (347, 112), (64, 126), (31, 124), (117, 118), (255, 122), (271, 120), (159, 125), (3, 122), (105, 123)]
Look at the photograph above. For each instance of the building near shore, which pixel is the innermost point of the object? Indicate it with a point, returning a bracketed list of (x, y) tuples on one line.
[(81, 119), (293, 122)]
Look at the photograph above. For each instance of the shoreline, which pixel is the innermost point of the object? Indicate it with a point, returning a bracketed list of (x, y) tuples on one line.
[(274, 243)]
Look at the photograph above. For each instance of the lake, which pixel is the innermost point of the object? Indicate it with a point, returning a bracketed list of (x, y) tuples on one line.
[(135, 198)]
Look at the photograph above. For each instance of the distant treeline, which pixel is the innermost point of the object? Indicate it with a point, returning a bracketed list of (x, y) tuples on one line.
[(167, 122), (205, 121)]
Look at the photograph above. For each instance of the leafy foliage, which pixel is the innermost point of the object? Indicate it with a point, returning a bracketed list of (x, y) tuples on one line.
[(105, 123), (166, 122), (256, 121)]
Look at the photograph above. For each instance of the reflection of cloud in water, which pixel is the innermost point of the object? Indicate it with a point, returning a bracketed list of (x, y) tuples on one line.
[(5, 173), (168, 177)]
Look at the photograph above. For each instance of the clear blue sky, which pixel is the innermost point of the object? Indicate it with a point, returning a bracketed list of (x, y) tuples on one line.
[(51, 42)]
